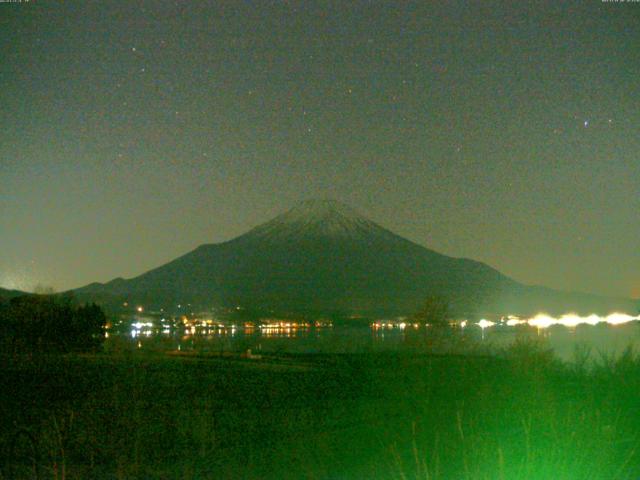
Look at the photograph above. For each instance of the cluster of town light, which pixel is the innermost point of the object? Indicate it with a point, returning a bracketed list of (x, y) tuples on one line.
[(210, 326), (392, 324), (277, 325)]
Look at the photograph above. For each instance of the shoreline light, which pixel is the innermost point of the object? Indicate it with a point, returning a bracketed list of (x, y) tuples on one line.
[(485, 323), (572, 320)]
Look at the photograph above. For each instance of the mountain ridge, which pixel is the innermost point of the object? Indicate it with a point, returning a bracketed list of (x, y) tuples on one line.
[(322, 256), (6, 293)]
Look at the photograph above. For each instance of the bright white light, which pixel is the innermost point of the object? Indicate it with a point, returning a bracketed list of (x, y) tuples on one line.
[(618, 318), (592, 319), (463, 323), (139, 325), (512, 322), (572, 320), (542, 321), (485, 323)]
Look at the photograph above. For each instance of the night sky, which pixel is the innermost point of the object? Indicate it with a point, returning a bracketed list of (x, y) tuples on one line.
[(134, 131)]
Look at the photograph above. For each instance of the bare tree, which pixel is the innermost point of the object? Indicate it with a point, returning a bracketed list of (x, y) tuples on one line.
[(434, 311)]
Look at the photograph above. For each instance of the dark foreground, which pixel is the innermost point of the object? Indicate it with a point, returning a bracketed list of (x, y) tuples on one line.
[(519, 415)]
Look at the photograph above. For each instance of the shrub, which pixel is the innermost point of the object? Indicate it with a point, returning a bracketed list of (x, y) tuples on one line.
[(46, 323)]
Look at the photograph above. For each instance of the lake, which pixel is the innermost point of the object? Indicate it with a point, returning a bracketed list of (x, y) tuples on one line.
[(599, 339)]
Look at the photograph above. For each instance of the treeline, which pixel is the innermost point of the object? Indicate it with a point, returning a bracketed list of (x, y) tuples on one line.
[(48, 323)]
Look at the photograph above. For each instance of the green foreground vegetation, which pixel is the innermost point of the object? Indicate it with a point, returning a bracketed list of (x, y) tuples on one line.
[(517, 415)]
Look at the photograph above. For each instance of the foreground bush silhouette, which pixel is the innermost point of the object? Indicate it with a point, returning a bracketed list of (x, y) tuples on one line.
[(46, 323)]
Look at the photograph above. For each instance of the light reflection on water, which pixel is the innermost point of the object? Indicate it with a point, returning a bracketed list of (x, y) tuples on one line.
[(601, 338)]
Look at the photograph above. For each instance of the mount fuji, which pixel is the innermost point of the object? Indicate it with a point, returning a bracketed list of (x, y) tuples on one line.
[(323, 258)]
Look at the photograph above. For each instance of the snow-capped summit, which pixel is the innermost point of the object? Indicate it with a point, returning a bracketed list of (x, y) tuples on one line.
[(318, 218)]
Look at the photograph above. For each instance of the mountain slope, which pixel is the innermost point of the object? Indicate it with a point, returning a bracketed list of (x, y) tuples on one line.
[(8, 294), (322, 257)]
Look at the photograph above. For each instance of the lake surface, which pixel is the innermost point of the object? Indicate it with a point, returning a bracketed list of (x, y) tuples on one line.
[(600, 339)]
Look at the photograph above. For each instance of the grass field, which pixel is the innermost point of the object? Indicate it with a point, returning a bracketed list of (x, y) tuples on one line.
[(518, 414)]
